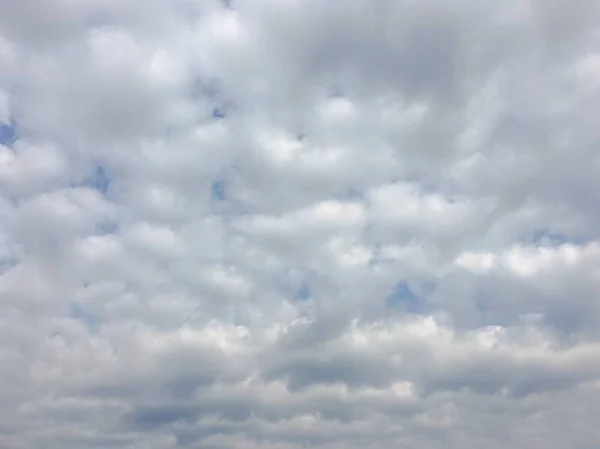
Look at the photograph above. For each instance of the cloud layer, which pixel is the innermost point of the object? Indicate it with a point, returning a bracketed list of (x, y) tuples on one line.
[(286, 223)]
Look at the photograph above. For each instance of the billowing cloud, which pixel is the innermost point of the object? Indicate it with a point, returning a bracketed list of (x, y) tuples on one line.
[(286, 223)]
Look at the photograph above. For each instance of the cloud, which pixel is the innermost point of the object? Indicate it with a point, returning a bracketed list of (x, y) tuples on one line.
[(279, 223)]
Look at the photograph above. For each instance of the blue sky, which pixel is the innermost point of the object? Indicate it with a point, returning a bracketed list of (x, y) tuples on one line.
[(8, 134)]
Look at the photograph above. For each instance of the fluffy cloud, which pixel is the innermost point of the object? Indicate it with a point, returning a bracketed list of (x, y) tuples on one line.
[(280, 223)]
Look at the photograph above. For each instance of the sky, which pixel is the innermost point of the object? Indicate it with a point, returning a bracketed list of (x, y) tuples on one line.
[(280, 224)]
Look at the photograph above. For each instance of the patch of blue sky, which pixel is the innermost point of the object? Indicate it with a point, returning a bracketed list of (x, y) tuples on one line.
[(221, 185), (8, 134), (107, 228), (404, 298), (303, 293), (218, 113), (545, 237), (218, 190), (100, 180), (92, 321), (97, 180)]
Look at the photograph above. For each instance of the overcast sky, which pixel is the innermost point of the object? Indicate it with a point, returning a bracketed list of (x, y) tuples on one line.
[(280, 224)]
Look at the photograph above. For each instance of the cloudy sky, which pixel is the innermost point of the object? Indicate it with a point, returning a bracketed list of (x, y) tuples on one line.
[(282, 224)]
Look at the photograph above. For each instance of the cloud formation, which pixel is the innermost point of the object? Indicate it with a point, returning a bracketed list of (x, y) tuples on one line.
[(286, 223)]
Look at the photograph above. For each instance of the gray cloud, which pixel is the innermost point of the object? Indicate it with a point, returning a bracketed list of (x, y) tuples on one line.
[(285, 223)]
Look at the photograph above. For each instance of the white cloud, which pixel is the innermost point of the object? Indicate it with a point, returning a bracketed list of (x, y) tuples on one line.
[(286, 223)]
